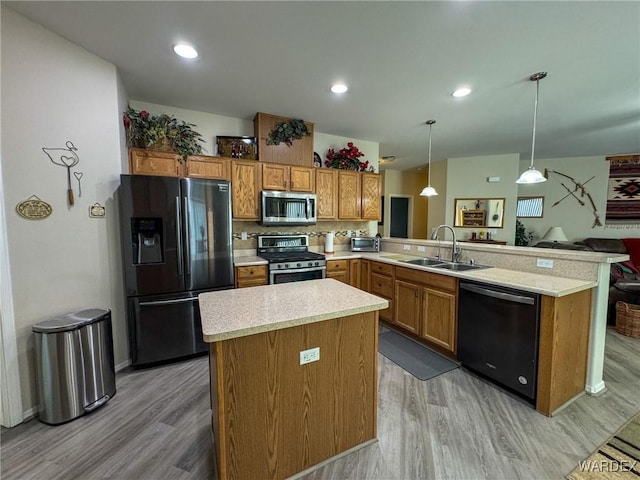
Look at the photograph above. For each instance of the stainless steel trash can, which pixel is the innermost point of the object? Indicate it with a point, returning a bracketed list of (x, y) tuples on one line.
[(74, 363)]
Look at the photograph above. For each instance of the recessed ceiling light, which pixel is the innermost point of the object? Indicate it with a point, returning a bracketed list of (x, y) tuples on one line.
[(461, 92), (339, 88), (185, 51)]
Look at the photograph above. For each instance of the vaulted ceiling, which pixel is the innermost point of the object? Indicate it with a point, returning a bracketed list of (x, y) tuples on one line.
[(401, 61)]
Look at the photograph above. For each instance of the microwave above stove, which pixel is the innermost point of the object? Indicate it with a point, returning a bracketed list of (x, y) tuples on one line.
[(365, 244), (288, 208)]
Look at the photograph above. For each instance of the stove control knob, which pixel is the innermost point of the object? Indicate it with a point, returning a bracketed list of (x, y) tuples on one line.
[(310, 264), (298, 264), (317, 263), (286, 265)]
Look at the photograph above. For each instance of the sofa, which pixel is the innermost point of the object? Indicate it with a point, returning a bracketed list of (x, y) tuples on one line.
[(624, 278)]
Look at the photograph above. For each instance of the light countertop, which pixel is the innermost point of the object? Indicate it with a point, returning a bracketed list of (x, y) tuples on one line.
[(553, 286), (236, 313)]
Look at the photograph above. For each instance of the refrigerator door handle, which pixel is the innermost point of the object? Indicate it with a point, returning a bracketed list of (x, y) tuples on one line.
[(179, 236), (169, 302), (187, 236)]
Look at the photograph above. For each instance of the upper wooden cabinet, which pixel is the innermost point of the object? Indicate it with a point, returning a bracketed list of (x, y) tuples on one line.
[(276, 176), (300, 153), (154, 162), (359, 195), (349, 195), (371, 191), (327, 193), (203, 166), (245, 188), (168, 164)]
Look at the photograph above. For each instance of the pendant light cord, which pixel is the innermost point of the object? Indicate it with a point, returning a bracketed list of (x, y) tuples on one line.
[(429, 172), (535, 118)]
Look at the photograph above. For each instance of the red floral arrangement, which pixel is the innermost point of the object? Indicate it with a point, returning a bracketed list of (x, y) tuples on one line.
[(346, 158)]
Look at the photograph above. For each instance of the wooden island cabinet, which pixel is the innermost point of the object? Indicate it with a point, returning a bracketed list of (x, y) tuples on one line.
[(278, 408)]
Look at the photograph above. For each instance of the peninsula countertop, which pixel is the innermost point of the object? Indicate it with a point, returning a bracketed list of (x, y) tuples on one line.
[(236, 313)]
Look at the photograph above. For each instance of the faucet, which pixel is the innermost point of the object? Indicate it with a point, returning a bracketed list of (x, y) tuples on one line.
[(455, 250)]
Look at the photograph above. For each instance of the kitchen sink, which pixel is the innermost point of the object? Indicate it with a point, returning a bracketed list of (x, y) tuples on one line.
[(425, 262), (460, 267)]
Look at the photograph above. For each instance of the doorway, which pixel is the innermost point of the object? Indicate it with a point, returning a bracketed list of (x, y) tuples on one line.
[(401, 208)]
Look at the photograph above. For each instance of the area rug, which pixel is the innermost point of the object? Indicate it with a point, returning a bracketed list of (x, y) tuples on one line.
[(618, 458), (416, 359)]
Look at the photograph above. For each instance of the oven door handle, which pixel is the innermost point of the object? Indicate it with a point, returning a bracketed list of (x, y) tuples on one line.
[(499, 295), (300, 270)]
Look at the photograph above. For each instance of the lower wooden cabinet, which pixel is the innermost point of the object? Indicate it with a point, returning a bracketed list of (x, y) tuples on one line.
[(381, 279), (251, 276), (339, 270), (426, 305)]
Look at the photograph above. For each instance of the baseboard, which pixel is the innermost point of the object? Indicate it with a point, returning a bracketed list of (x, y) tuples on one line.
[(597, 389), (123, 365), (29, 414)]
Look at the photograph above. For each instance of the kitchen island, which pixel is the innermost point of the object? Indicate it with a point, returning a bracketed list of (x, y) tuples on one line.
[(293, 371)]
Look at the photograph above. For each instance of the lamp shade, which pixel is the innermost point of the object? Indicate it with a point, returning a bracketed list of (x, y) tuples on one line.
[(555, 234), (428, 191), (531, 175)]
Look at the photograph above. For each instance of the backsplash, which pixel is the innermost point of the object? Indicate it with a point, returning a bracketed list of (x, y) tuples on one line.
[(343, 233)]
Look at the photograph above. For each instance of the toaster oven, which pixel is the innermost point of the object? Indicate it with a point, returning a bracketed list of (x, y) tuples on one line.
[(365, 244)]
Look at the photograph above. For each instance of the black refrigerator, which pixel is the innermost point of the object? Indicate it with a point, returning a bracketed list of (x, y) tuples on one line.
[(177, 243)]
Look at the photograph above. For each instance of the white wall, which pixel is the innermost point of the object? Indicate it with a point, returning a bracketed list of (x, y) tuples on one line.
[(577, 221), (467, 178), (52, 92)]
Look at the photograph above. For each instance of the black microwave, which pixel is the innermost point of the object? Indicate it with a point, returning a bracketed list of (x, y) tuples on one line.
[(365, 244)]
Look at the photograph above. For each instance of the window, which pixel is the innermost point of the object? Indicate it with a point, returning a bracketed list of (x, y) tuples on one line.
[(530, 207)]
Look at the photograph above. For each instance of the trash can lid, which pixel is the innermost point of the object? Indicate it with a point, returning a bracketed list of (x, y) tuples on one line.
[(71, 321)]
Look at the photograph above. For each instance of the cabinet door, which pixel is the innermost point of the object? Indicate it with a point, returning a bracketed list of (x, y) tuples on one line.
[(365, 276), (354, 272), (275, 176), (338, 269), (439, 318), (245, 188), (201, 166), (152, 162), (408, 303), (302, 179), (251, 276), (299, 153), (371, 196), (327, 193), (349, 195)]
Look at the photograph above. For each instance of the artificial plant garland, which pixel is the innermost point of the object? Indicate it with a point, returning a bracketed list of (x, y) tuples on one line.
[(287, 132)]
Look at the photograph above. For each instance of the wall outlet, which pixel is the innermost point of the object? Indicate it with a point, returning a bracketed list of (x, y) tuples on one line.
[(311, 355), (243, 235), (421, 248), (544, 263), (406, 247)]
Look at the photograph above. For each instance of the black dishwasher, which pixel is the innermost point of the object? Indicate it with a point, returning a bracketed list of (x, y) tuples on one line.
[(498, 334)]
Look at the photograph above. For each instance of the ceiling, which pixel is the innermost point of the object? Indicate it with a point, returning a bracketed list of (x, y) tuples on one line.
[(401, 61)]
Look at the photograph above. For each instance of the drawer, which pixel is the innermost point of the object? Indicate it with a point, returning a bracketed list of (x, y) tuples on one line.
[(254, 271), (337, 265), (383, 268), (435, 280), (381, 285), (254, 282)]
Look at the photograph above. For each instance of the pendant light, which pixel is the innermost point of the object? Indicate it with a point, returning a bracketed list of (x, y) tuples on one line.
[(531, 175), (429, 191)]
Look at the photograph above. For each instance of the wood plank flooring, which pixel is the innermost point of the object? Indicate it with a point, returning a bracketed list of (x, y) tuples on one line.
[(454, 426)]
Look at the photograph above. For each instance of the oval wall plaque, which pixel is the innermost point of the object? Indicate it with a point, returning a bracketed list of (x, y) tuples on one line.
[(33, 208)]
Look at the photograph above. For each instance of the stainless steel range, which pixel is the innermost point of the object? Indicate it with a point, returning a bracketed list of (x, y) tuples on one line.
[(290, 259)]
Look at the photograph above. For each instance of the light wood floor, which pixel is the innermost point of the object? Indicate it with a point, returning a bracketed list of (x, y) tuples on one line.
[(454, 426)]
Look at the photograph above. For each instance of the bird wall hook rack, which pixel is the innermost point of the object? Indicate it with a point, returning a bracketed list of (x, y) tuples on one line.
[(64, 157)]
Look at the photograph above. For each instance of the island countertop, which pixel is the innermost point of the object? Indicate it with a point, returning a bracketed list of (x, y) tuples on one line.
[(240, 312)]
